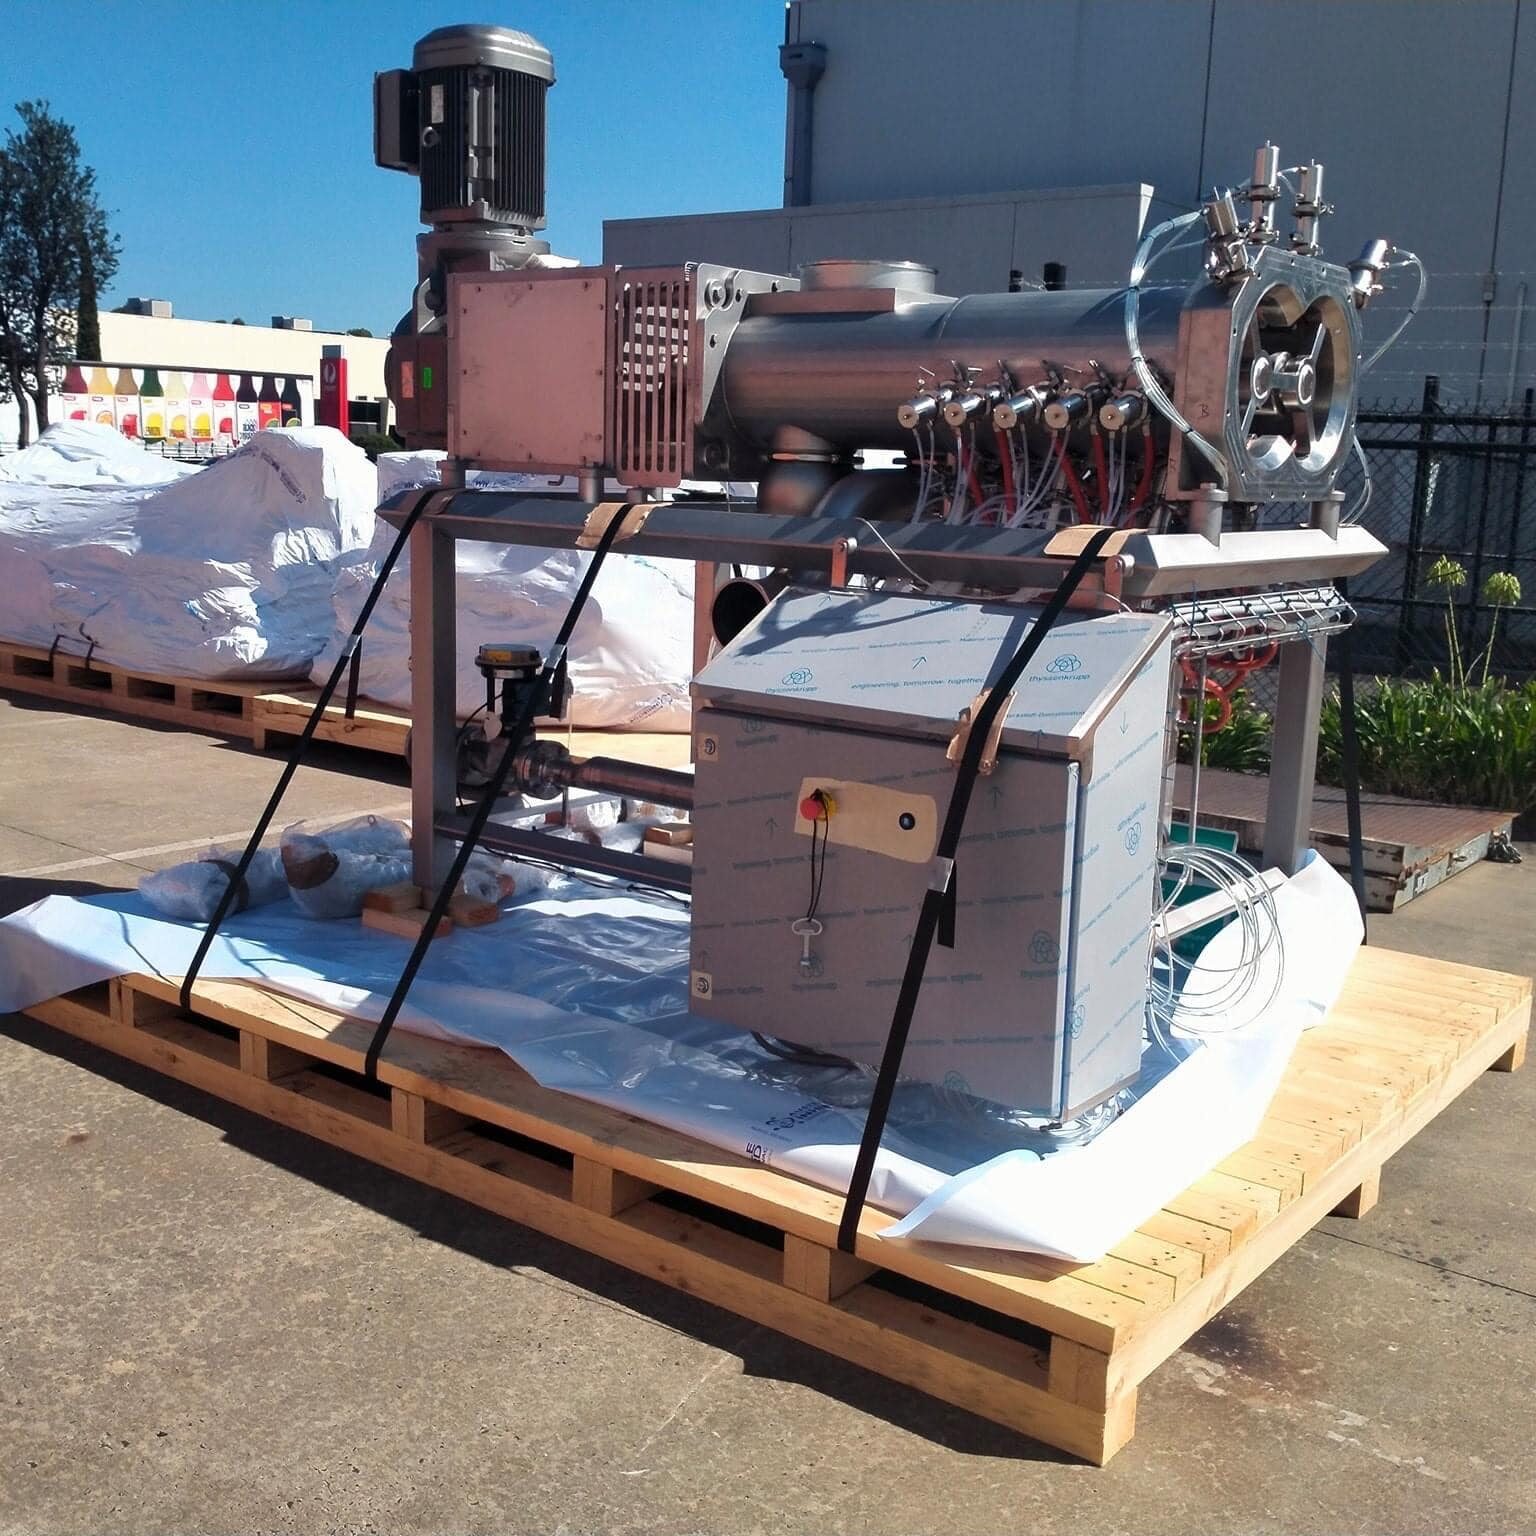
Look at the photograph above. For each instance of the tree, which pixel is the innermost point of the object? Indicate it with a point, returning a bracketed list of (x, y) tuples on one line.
[(360, 330), (49, 219), (87, 320)]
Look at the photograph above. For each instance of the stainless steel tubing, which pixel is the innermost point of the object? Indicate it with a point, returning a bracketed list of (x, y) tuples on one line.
[(634, 781), (844, 376), (518, 843)]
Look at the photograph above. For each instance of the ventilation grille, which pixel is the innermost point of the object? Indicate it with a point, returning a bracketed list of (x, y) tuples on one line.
[(653, 418), (499, 158)]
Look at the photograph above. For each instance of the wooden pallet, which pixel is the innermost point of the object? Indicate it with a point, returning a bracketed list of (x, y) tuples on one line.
[(223, 707), (373, 727), (1054, 1350), (254, 712), (383, 728), (1410, 846)]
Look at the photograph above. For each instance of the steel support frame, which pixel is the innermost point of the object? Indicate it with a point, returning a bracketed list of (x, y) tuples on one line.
[(434, 713), (1293, 754)]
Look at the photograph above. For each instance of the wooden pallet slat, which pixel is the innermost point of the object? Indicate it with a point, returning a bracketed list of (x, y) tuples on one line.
[(1052, 1349)]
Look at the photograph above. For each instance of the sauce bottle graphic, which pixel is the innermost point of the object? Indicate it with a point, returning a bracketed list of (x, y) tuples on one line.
[(74, 394), (102, 412), (176, 424), (126, 403), (152, 406), (269, 408), (200, 408), (293, 408), (223, 407), (247, 412)]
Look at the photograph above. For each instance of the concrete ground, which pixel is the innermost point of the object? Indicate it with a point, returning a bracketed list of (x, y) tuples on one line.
[(211, 1323)]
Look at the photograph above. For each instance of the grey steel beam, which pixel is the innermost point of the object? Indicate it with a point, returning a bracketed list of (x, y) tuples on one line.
[(517, 842), (1293, 754), (434, 717)]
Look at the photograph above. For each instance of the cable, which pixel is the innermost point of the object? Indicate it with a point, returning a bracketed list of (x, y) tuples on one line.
[(1358, 510), (1413, 309), (1172, 1004), (1150, 386)]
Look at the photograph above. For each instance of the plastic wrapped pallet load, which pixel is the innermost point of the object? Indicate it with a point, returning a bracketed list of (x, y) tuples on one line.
[(226, 572), (630, 658)]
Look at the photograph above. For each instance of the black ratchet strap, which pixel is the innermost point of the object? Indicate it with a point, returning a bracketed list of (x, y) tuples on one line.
[(937, 905), (1349, 754), (553, 664), (236, 887)]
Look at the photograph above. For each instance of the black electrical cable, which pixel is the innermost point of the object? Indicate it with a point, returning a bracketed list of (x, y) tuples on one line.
[(236, 884), (1349, 753), (938, 899), (492, 792)]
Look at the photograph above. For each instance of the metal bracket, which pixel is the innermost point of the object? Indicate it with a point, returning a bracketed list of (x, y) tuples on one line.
[(841, 549), (994, 736)]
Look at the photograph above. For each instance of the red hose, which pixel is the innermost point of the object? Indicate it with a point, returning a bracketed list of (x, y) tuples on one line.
[(975, 485), (1005, 457), (1144, 480), (1070, 475), (1101, 474)]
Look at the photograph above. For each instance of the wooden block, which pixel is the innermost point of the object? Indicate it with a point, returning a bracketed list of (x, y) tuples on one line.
[(400, 897), (674, 834), (597, 1187), (263, 1058), (1079, 1374), (470, 912), (815, 1270), (404, 925), (422, 1120), (1360, 1199), (672, 853), (1512, 1059)]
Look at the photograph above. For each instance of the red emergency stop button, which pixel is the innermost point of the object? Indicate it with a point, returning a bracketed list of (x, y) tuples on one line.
[(817, 806)]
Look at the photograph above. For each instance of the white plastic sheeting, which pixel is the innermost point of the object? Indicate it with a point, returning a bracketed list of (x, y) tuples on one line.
[(223, 573), (83, 453), (587, 991), (631, 655)]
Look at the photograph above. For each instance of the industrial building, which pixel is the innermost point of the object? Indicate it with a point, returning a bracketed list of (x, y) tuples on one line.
[(987, 139)]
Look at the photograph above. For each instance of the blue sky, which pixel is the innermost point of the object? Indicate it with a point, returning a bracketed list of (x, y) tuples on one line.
[(233, 142)]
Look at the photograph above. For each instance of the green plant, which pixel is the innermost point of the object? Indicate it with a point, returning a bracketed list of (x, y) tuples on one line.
[(1449, 576), (375, 443), (1242, 744), (1440, 739), (1500, 591)]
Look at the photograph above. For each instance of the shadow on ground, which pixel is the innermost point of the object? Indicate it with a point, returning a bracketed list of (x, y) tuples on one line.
[(502, 1244)]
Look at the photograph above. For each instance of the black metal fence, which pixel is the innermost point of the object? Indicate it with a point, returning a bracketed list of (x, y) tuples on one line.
[(1455, 482)]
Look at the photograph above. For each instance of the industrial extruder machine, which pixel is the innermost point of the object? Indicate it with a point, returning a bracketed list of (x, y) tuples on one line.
[(1000, 544)]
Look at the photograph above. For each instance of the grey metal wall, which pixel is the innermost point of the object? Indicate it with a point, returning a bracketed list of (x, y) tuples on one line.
[(1423, 110), (973, 241)]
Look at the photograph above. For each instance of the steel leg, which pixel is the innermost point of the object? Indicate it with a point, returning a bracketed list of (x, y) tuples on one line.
[(1293, 754), (434, 720)]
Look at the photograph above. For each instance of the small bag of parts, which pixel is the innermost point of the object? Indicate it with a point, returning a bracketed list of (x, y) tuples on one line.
[(191, 892), (331, 869)]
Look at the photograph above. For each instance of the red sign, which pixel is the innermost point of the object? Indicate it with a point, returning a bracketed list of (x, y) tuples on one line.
[(331, 409)]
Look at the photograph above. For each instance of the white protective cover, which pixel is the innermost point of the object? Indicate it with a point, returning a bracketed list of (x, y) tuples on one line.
[(630, 657), (223, 572), (587, 990)]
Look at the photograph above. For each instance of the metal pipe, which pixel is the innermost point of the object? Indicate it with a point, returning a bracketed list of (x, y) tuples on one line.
[(520, 843), (634, 781), (845, 377)]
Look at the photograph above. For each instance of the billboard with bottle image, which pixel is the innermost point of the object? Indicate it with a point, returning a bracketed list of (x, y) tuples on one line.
[(156, 404)]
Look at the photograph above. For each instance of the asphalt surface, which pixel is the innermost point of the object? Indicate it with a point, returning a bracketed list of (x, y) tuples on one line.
[(210, 1323)]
